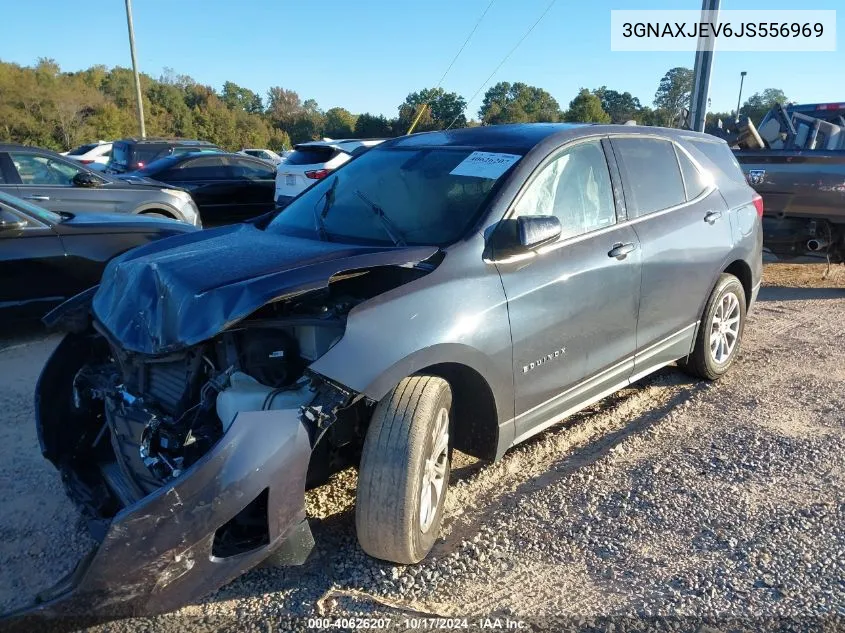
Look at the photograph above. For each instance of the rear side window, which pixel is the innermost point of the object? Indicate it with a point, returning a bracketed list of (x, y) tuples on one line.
[(311, 155), (694, 181), (721, 155), (651, 174)]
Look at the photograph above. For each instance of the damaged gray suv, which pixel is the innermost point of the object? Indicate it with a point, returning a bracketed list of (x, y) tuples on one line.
[(449, 290)]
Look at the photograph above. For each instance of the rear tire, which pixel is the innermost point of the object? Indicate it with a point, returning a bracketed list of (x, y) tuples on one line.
[(720, 332), (404, 472)]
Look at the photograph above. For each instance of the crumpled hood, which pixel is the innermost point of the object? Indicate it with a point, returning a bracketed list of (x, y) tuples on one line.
[(182, 290)]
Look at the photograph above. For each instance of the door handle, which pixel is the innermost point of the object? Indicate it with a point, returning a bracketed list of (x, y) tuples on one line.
[(711, 216), (38, 197), (620, 251)]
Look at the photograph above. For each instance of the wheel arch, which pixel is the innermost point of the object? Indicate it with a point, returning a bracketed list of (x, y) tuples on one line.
[(159, 207), (483, 394), (742, 271), (476, 428)]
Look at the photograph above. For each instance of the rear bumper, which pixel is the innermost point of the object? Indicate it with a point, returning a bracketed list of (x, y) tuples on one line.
[(156, 554)]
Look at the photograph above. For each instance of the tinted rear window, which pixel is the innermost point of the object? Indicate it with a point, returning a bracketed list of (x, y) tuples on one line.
[(311, 155), (82, 149), (120, 154), (652, 175), (722, 156)]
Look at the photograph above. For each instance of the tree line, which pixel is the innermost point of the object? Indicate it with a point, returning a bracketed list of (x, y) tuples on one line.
[(41, 105)]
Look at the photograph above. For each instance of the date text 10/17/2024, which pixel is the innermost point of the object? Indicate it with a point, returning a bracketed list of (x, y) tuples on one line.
[(492, 623)]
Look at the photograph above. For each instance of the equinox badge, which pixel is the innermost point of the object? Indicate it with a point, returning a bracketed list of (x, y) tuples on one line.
[(543, 359)]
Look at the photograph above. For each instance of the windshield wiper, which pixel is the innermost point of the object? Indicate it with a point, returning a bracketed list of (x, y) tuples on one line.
[(386, 222), (319, 216)]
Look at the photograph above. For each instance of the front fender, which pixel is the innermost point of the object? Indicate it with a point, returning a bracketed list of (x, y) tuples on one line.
[(447, 316)]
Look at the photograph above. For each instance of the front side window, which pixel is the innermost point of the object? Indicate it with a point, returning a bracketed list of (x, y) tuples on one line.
[(394, 195), (576, 188), (252, 170), (43, 170), (206, 168), (651, 175)]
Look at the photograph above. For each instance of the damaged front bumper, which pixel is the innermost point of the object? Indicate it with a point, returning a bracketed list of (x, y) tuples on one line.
[(159, 553)]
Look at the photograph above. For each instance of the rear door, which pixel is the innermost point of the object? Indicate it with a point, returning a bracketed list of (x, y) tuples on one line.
[(254, 183), (684, 229), (573, 306), (47, 180), (211, 185), (32, 266)]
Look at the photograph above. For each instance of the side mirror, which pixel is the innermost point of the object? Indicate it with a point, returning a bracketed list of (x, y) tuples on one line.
[(84, 179), (536, 230)]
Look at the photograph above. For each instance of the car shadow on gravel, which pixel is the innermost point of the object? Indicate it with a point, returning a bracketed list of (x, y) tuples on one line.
[(790, 293), (581, 457)]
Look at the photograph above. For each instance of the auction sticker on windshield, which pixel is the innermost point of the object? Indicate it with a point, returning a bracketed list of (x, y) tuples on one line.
[(485, 165)]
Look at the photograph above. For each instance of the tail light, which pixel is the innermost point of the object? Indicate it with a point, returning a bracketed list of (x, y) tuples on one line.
[(758, 204), (86, 161), (317, 174)]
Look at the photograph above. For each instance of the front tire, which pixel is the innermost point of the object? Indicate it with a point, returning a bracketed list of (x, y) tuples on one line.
[(404, 471), (720, 332)]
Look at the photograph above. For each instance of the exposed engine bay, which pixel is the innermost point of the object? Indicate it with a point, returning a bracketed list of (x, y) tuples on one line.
[(149, 418)]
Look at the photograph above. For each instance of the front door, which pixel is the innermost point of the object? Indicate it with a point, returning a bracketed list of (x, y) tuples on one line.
[(573, 304), (48, 182), (254, 187), (32, 260), (209, 181)]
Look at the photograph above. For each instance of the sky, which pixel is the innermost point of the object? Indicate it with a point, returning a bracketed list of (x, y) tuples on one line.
[(368, 55)]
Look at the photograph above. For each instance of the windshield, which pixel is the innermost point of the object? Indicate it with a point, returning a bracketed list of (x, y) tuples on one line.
[(413, 195), (39, 213), (158, 165)]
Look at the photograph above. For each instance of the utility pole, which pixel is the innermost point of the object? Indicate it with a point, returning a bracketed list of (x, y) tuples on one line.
[(703, 67), (739, 99), (135, 69)]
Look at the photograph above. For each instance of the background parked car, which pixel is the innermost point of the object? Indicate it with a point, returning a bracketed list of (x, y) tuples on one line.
[(49, 257), (130, 154), (95, 155), (309, 162), (226, 187), (264, 154), (60, 184)]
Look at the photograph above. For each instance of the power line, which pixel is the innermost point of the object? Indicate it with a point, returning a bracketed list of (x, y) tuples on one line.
[(463, 46), (452, 63), (506, 57)]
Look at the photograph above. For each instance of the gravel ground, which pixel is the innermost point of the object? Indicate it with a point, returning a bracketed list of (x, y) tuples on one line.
[(674, 500)]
